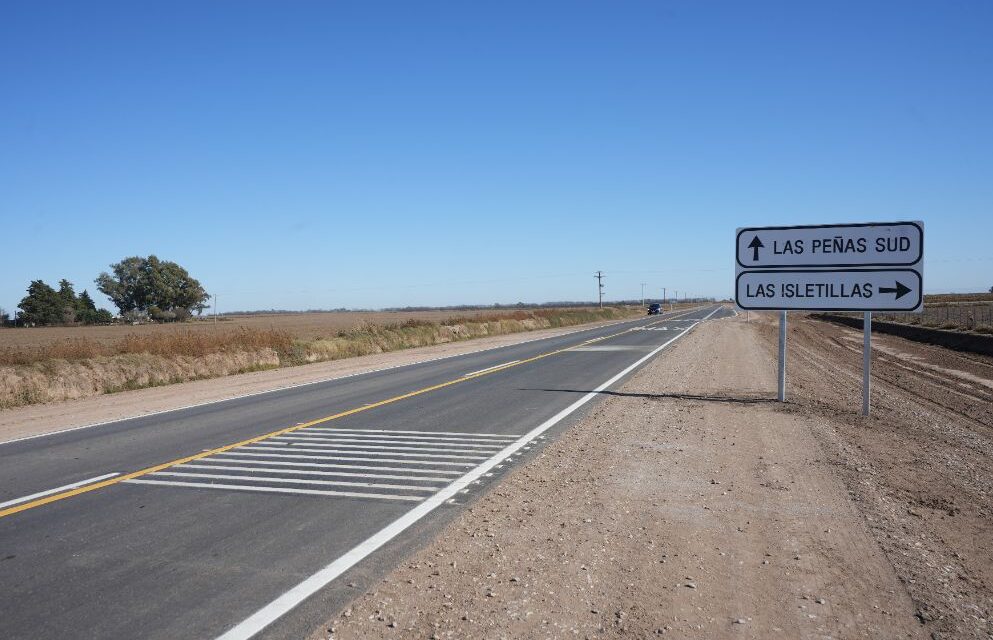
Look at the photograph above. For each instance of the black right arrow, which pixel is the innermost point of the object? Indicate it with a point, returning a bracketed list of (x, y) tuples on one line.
[(754, 245), (900, 290)]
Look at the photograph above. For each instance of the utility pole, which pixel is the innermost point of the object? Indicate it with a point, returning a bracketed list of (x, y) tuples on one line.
[(663, 298), (215, 308), (643, 293), (599, 280)]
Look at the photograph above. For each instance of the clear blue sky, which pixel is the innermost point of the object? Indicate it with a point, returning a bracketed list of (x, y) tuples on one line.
[(369, 154)]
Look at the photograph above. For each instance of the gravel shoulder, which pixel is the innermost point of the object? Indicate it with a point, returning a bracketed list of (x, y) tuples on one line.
[(687, 503), (47, 418)]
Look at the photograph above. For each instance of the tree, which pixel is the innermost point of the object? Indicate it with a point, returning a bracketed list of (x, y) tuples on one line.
[(69, 303), (4, 316), (87, 312), (141, 284), (85, 302), (42, 305)]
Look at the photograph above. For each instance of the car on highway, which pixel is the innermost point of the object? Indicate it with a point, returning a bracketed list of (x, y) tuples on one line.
[(654, 309)]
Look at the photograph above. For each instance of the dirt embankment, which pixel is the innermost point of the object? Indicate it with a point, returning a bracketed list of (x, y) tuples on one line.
[(981, 343), (690, 504), (80, 367)]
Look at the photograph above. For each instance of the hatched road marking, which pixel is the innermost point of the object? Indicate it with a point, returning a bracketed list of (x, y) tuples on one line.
[(269, 472)]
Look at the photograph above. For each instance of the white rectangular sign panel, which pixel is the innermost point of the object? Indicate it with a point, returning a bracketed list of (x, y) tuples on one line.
[(830, 290), (890, 244), (873, 266)]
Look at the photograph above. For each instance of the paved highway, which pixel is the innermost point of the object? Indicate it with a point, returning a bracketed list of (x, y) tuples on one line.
[(250, 517)]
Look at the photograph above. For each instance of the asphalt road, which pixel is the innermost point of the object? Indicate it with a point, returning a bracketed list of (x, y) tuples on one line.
[(250, 517)]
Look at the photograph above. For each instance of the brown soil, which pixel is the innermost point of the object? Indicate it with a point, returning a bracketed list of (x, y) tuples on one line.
[(920, 468), (689, 504)]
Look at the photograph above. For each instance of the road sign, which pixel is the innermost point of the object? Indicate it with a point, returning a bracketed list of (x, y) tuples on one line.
[(874, 266), (830, 290), (892, 244)]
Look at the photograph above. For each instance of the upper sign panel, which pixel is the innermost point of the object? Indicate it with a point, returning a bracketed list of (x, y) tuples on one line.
[(892, 244)]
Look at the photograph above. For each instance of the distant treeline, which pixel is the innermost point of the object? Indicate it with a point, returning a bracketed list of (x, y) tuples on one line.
[(559, 304), (562, 304)]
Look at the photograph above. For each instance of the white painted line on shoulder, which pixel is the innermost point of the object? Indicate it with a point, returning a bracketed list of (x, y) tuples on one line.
[(199, 464), (262, 446), (503, 436), (42, 494), (428, 443), (379, 437), (317, 465), (303, 442), (309, 492), (303, 456), (290, 599), (277, 480), (612, 347), (494, 367)]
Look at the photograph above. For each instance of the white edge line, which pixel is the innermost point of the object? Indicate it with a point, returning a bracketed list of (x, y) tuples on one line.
[(321, 381), (42, 494), (289, 600)]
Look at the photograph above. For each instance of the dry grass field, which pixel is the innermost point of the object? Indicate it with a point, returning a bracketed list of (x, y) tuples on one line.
[(968, 312), (305, 326), (953, 298), (972, 312), (53, 364)]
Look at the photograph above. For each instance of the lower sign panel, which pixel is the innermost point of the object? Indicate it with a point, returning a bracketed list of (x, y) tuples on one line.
[(821, 290)]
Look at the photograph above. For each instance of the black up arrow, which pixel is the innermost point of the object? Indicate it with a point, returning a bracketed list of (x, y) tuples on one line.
[(754, 245), (900, 290)]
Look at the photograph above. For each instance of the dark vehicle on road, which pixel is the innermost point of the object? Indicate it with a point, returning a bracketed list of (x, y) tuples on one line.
[(654, 309)]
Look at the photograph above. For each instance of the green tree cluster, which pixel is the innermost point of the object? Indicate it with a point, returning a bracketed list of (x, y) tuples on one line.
[(44, 305), (157, 288)]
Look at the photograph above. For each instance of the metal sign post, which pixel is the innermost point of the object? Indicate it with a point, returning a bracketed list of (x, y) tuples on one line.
[(866, 360), (782, 356), (844, 267)]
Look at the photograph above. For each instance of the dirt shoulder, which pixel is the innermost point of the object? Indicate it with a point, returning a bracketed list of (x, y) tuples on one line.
[(686, 504), (920, 468), (46, 418)]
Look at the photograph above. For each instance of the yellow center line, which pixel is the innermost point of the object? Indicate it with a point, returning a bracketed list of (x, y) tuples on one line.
[(203, 454)]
